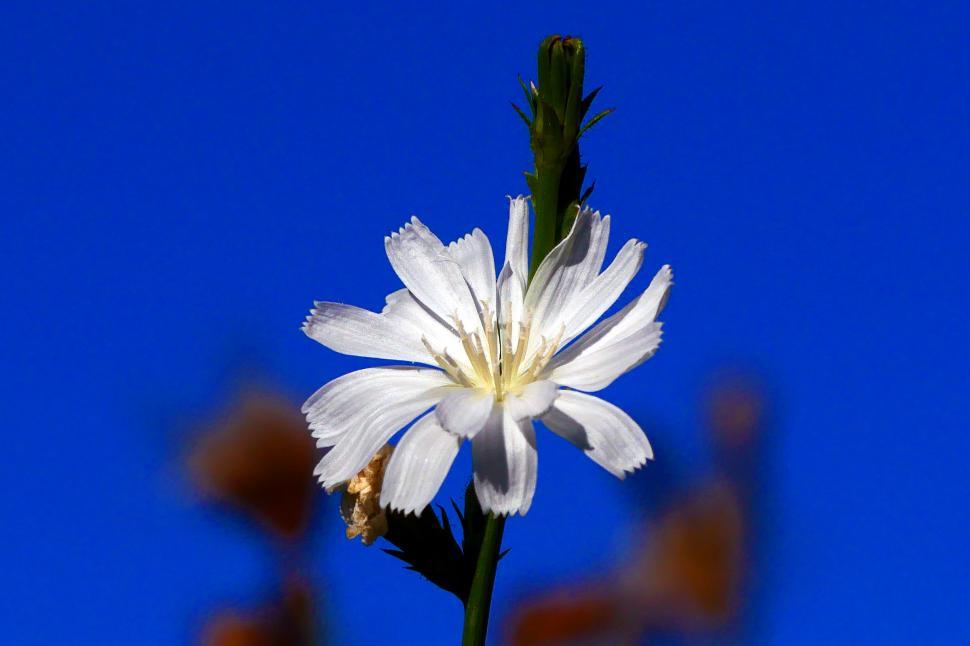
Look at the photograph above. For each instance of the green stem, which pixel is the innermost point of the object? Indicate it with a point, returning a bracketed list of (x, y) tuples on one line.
[(558, 108), (545, 201), (480, 595)]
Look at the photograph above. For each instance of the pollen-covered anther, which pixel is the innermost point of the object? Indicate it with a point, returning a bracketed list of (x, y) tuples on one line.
[(547, 348), (446, 363), (485, 370)]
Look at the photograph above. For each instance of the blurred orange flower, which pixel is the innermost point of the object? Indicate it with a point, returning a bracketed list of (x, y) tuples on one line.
[(259, 460), (686, 575), (287, 621)]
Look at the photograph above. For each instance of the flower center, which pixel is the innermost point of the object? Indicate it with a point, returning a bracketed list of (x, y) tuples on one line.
[(499, 357)]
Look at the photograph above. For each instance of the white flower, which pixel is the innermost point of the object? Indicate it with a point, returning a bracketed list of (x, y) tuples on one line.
[(503, 353)]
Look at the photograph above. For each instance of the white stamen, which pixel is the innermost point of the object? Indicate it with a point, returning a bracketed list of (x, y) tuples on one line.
[(497, 364)]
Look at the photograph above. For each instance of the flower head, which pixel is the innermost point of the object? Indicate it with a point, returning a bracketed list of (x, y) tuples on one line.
[(504, 351)]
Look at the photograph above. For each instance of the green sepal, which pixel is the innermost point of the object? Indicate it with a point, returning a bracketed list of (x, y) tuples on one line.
[(428, 546)]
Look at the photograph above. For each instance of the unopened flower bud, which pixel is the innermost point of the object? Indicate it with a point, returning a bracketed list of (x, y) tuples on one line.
[(560, 109), (559, 115)]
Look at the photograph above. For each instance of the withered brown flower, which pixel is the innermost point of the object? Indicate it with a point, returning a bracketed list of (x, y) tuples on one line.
[(360, 505)]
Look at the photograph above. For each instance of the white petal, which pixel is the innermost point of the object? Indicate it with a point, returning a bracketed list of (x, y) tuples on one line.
[(565, 272), (354, 450), (505, 462), (617, 344), (601, 430), (511, 295), (473, 253), (360, 411), (418, 466), (597, 297), (355, 331), (345, 402), (534, 400), (599, 367), (405, 310), (428, 270), (517, 240), (464, 411)]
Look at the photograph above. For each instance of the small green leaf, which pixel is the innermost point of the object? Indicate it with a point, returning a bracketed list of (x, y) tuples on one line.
[(530, 96), (528, 124), (592, 122), (588, 101)]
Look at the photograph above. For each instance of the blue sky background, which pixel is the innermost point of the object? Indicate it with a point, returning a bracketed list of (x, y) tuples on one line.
[(179, 181)]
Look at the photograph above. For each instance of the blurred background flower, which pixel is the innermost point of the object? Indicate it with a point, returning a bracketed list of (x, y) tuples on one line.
[(256, 461), (689, 572), (287, 620)]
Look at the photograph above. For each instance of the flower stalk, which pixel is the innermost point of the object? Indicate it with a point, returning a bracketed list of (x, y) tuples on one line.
[(483, 580), (557, 107), (500, 351)]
